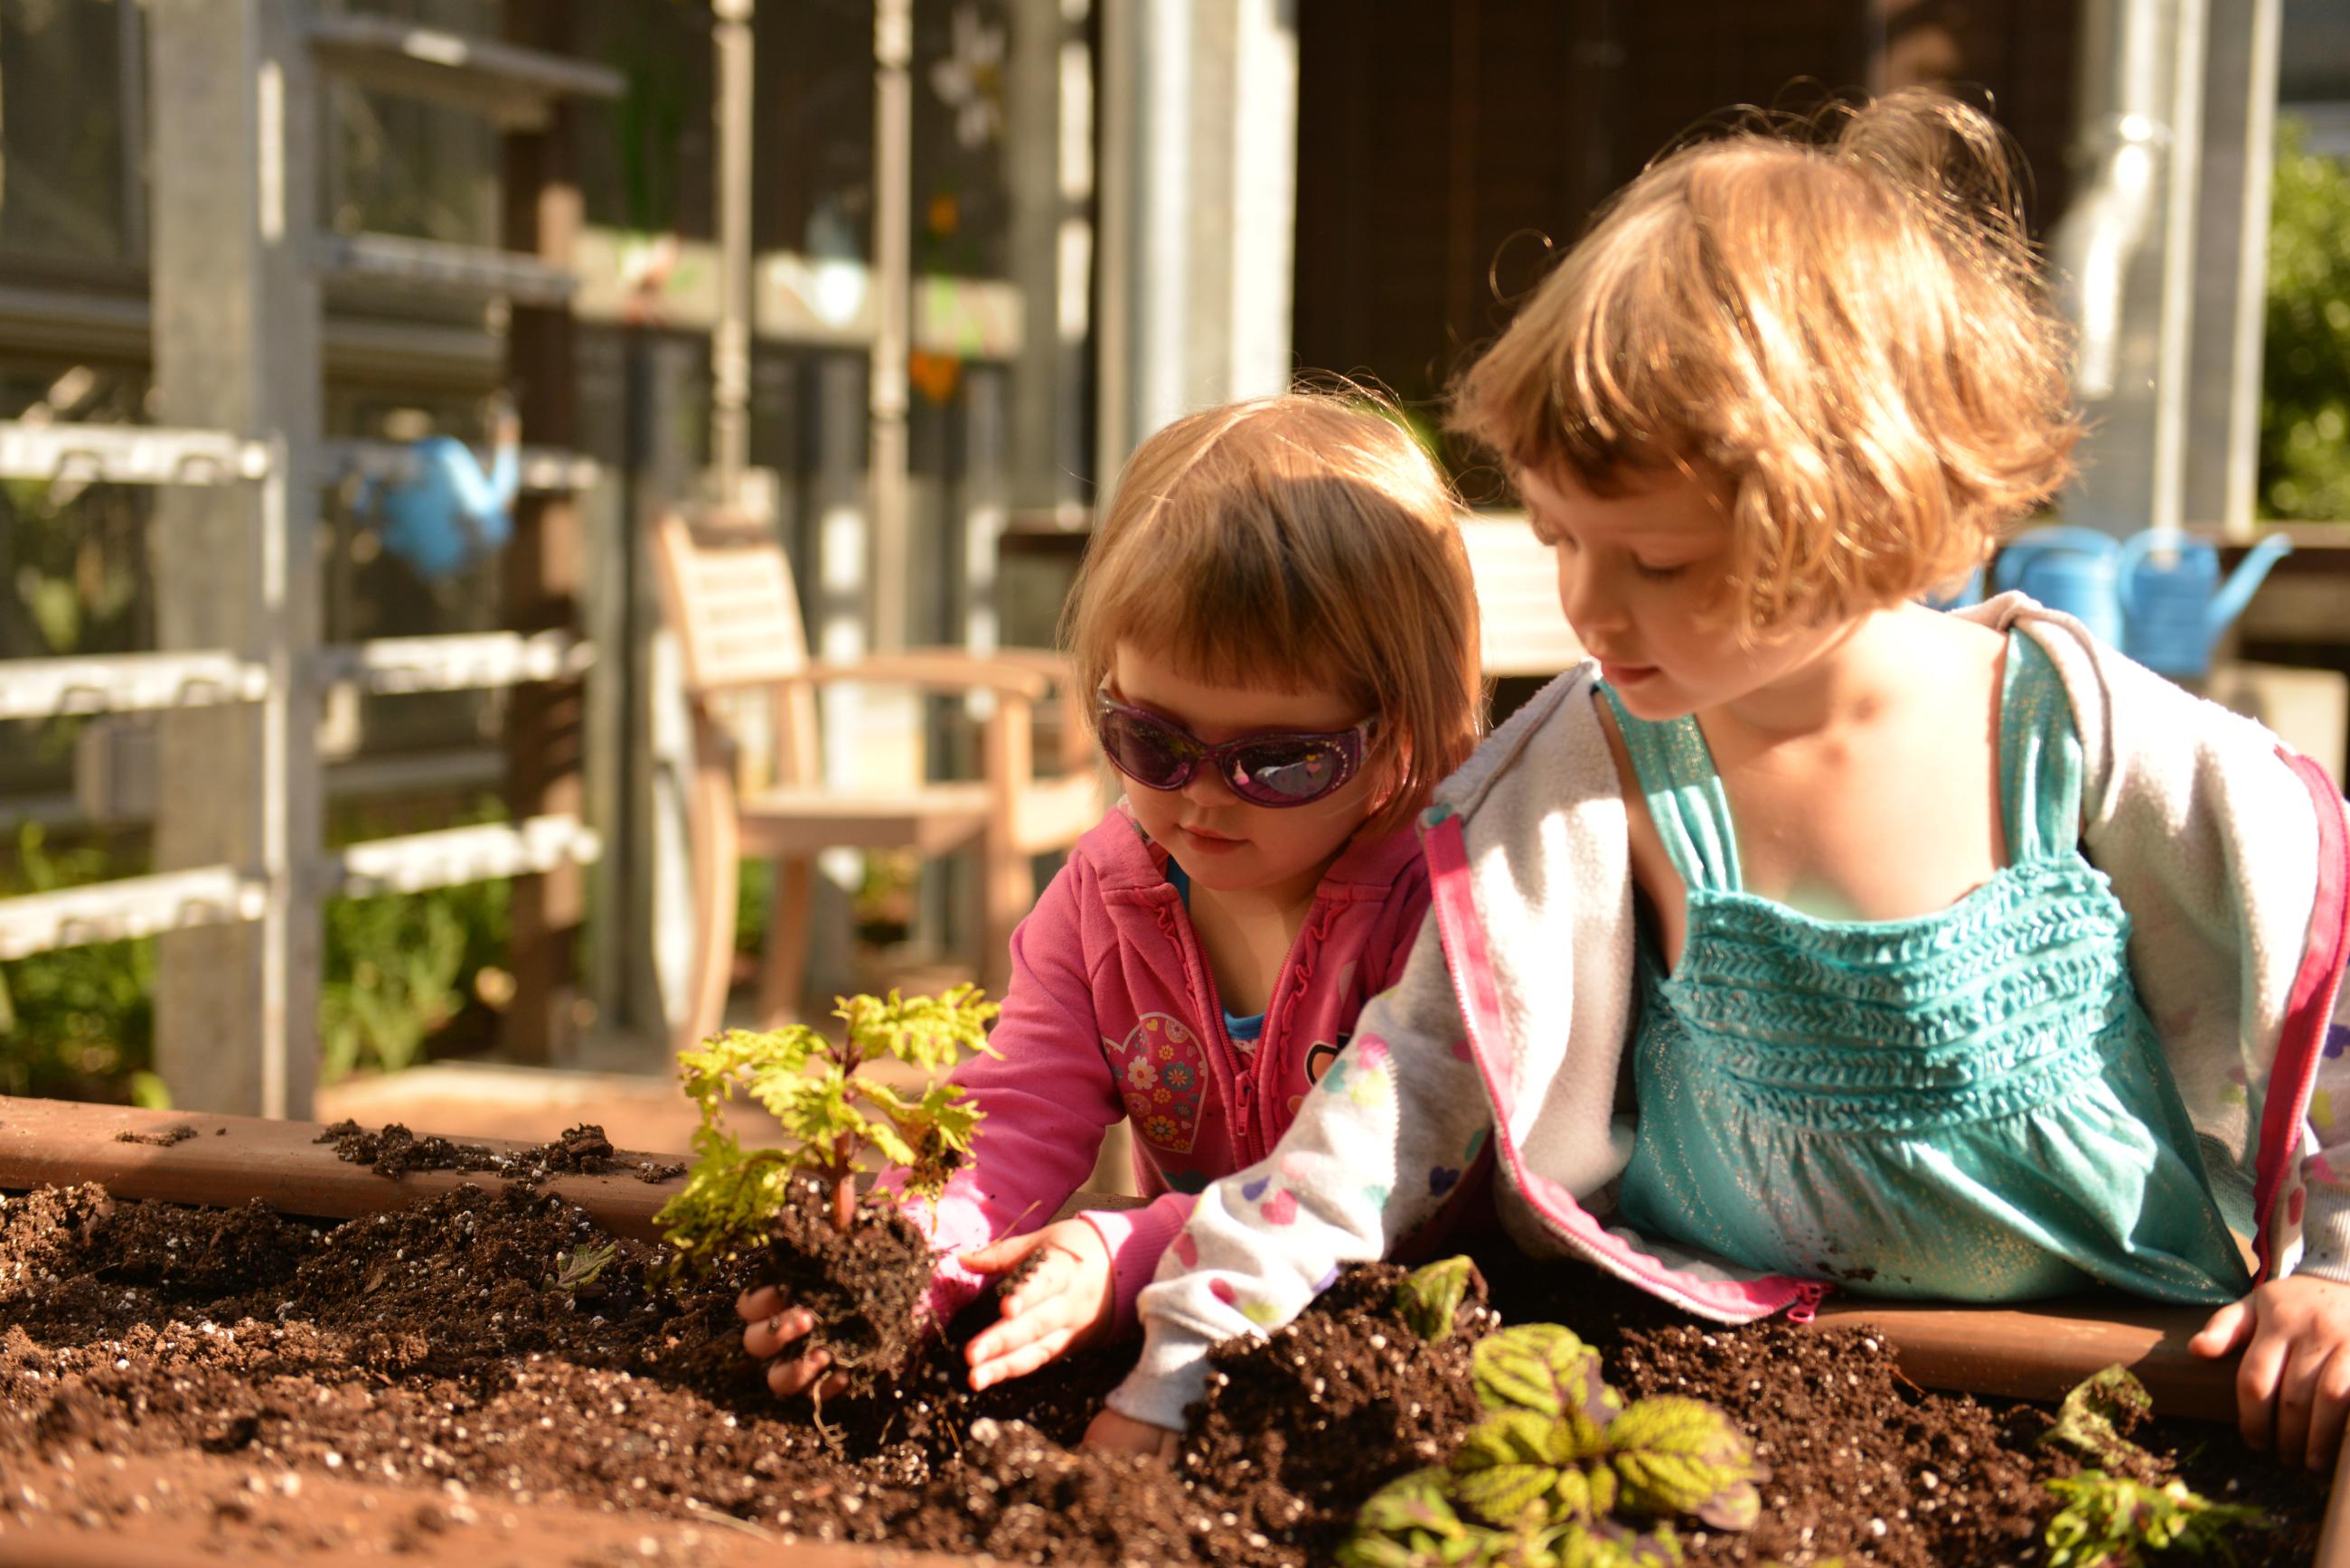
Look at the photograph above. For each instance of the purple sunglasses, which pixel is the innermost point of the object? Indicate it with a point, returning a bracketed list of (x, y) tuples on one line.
[(1280, 769)]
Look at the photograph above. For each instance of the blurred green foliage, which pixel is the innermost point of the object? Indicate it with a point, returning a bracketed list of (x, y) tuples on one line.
[(401, 969), (402, 973), (2305, 472), (78, 1023)]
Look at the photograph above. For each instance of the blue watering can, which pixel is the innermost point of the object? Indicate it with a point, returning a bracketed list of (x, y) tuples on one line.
[(2173, 606), (2076, 570), (448, 513)]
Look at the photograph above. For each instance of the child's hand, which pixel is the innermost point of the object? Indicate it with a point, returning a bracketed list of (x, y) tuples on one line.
[(1066, 1302), (2293, 1387), (771, 1327), (1125, 1435)]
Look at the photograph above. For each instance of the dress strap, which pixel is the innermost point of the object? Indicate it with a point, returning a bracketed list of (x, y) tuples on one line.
[(1683, 792), (2040, 758)]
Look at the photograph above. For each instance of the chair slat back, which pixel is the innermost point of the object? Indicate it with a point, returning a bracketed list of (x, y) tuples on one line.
[(730, 596), (1522, 628)]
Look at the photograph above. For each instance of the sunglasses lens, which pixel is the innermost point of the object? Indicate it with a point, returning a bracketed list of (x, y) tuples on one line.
[(1288, 772), (1149, 753)]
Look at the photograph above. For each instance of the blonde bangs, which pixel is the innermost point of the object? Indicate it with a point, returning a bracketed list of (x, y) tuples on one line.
[(1847, 333), (1292, 543)]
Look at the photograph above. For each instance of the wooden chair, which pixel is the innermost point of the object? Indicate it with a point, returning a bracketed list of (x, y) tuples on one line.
[(728, 591)]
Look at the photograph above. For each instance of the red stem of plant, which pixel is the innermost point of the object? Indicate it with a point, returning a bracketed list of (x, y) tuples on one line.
[(843, 1202)]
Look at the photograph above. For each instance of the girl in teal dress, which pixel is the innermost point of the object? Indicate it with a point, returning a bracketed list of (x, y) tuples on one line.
[(1808, 936)]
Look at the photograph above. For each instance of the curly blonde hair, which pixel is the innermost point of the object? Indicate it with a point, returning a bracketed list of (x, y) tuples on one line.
[(1295, 542), (1838, 321)]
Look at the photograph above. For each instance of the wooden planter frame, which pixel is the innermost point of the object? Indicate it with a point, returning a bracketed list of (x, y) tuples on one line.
[(1996, 1352)]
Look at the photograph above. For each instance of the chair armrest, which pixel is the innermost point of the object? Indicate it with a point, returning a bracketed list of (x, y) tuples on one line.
[(942, 669)]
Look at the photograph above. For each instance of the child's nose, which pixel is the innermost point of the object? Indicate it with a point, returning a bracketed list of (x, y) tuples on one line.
[(1208, 788), (1582, 598)]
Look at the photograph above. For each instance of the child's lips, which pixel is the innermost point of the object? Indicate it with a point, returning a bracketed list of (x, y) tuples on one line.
[(1201, 838)]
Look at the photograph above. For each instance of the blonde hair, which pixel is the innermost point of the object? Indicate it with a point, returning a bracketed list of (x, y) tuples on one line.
[(1839, 321), (1291, 543)]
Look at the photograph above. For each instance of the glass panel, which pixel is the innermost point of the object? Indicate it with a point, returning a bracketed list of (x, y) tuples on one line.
[(62, 170)]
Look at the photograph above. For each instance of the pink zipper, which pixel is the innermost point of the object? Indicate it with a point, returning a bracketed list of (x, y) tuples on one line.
[(1809, 1294), (1247, 1128)]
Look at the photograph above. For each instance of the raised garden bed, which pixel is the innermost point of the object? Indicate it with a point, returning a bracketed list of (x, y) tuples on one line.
[(200, 1374)]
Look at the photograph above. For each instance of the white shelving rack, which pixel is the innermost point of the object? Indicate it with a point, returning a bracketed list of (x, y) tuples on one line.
[(238, 260)]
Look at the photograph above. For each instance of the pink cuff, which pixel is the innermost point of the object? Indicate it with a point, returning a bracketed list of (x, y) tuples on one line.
[(1137, 1238), (953, 1226)]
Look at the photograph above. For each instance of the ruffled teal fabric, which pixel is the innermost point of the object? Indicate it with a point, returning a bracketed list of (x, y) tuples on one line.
[(1966, 1105)]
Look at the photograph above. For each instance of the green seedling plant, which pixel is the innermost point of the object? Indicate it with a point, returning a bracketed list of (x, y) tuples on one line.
[(1561, 1473), (579, 1268), (2115, 1521), (837, 1120), (1429, 1299)]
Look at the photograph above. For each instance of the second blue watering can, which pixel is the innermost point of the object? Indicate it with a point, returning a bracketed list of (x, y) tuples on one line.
[(2173, 606), (448, 512), (2157, 596)]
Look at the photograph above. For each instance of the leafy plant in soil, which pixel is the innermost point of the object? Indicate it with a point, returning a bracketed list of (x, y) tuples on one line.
[(2113, 1516), (859, 1269), (1561, 1473)]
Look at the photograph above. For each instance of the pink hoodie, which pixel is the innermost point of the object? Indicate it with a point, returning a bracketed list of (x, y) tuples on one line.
[(1112, 1013)]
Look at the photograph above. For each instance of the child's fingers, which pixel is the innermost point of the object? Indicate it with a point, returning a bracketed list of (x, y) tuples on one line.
[(2296, 1402), (788, 1378), (1048, 1284), (1025, 1319), (2226, 1331), (1001, 1257), (765, 1301), (1020, 1361), (769, 1335), (2332, 1416), (1124, 1434), (2258, 1376)]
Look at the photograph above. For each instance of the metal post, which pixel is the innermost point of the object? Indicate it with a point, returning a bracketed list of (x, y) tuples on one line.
[(1049, 148), (836, 607), (2223, 414), (893, 241), (546, 720), (730, 346), (2124, 254), (236, 349), (2178, 297), (1200, 107)]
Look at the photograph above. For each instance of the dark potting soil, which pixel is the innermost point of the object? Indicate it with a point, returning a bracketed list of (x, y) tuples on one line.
[(863, 1288), (394, 1151), (435, 1351), (163, 1139)]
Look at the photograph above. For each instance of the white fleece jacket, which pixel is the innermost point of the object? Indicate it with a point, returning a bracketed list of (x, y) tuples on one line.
[(1510, 1022)]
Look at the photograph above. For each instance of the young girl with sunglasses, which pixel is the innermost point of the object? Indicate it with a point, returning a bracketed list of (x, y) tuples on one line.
[(1277, 617), (1805, 936)]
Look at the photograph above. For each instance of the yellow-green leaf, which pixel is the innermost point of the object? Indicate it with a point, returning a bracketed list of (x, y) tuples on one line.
[(1541, 1366)]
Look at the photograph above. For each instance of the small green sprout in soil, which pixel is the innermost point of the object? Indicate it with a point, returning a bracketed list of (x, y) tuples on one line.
[(810, 1083), (2116, 1519), (1561, 1473), (580, 1268), (1429, 1298)]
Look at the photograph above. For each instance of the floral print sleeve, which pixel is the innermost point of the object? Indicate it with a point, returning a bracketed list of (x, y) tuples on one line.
[(1376, 1148)]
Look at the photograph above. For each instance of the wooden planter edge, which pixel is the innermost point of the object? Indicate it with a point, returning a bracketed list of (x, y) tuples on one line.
[(2000, 1352)]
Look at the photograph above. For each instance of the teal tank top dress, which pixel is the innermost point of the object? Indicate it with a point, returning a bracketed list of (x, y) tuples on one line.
[(1966, 1105)]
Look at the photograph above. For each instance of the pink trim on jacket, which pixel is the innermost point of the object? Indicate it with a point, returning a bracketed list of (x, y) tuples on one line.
[(1466, 957), (2285, 1107), (1113, 1012)]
